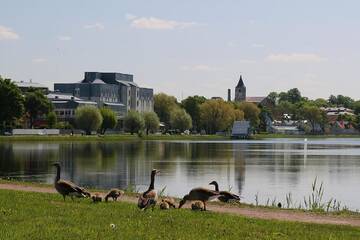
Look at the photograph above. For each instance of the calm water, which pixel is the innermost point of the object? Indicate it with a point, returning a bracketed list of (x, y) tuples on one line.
[(271, 168)]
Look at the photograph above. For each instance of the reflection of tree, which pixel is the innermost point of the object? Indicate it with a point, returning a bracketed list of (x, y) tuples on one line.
[(239, 160)]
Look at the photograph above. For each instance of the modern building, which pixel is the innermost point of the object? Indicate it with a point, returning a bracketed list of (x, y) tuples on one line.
[(117, 91), (26, 86)]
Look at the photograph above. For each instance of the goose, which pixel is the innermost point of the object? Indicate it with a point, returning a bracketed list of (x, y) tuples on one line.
[(199, 194), (67, 188), (149, 197), (197, 205), (114, 193), (225, 195), (170, 201), (164, 205), (96, 197)]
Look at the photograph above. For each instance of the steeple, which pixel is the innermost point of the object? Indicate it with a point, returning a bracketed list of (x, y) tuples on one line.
[(240, 83)]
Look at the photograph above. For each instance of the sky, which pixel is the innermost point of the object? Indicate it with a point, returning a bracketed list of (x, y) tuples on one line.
[(185, 48)]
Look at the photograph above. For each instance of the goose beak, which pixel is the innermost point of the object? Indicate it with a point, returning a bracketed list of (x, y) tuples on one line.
[(157, 171)]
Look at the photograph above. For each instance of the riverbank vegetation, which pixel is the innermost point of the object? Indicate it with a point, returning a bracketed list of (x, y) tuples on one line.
[(47, 216)]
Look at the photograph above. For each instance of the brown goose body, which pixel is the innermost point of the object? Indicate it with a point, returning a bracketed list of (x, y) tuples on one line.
[(67, 188), (149, 198), (199, 194), (225, 195), (114, 193)]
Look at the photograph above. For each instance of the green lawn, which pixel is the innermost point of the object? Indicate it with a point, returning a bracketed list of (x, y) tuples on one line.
[(25, 215)]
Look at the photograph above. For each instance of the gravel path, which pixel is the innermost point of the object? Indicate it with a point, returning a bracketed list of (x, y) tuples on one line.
[(285, 215)]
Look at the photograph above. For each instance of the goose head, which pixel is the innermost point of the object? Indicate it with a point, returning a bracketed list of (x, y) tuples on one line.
[(56, 164), (154, 172), (213, 183), (183, 201)]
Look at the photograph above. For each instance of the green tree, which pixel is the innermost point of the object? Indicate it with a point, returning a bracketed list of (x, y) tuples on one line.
[(192, 107), (36, 104), (344, 101), (180, 120), (163, 106), (88, 118), (11, 103), (273, 96), (320, 102), (314, 115), (292, 96), (109, 119), (356, 107), (251, 112), (151, 121), (134, 122), (216, 115), (51, 119)]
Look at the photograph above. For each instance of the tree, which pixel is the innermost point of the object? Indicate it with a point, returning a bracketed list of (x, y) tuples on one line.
[(11, 102), (36, 103), (151, 121), (134, 122), (51, 119), (180, 120), (356, 107), (163, 105), (88, 118), (314, 115), (109, 119), (251, 112), (192, 107), (320, 102), (292, 96), (216, 115), (272, 97)]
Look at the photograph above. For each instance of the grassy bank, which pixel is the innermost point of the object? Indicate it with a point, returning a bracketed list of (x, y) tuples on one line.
[(119, 137), (267, 136), (46, 216)]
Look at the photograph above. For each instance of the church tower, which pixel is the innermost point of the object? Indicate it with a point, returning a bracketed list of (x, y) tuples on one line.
[(240, 91)]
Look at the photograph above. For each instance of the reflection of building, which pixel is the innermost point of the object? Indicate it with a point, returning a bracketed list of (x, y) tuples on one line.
[(115, 90)]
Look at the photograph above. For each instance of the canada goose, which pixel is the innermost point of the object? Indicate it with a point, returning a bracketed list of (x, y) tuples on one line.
[(199, 194), (149, 197), (164, 205), (96, 197), (114, 193), (225, 195), (170, 201), (67, 188), (197, 205)]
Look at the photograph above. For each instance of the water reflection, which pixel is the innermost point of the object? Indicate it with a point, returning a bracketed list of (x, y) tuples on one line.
[(271, 168)]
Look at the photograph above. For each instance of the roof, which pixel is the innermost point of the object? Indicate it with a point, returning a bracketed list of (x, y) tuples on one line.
[(124, 83), (98, 81), (255, 99), (86, 102), (133, 84), (113, 104), (61, 96), (29, 84), (240, 83)]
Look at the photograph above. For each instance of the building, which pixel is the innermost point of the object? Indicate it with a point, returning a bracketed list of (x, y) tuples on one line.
[(26, 86), (240, 91), (117, 91), (241, 129)]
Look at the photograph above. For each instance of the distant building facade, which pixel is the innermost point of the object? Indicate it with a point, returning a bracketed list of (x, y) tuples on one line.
[(26, 86), (117, 91), (240, 91)]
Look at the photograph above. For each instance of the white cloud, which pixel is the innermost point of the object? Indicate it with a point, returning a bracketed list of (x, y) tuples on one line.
[(295, 57), (257, 45), (39, 60), (97, 26), (7, 34), (64, 38), (130, 16), (199, 67), (157, 23)]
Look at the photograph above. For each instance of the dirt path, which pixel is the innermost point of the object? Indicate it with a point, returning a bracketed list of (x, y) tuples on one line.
[(261, 213)]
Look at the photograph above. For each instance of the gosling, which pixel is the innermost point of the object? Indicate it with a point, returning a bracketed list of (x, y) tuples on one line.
[(197, 206), (114, 193), (170, 201), (164, 205), (96, 197)]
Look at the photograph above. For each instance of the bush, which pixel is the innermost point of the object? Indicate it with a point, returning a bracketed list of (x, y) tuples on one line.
[(180, 120), (51, 119), (88, 118), (109, 119), (151, 122)]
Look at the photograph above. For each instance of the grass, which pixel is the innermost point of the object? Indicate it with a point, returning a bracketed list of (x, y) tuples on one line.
[(25, 215), (118, 137)]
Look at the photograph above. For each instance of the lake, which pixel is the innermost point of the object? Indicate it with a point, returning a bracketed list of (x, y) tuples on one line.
[(269, 168)]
